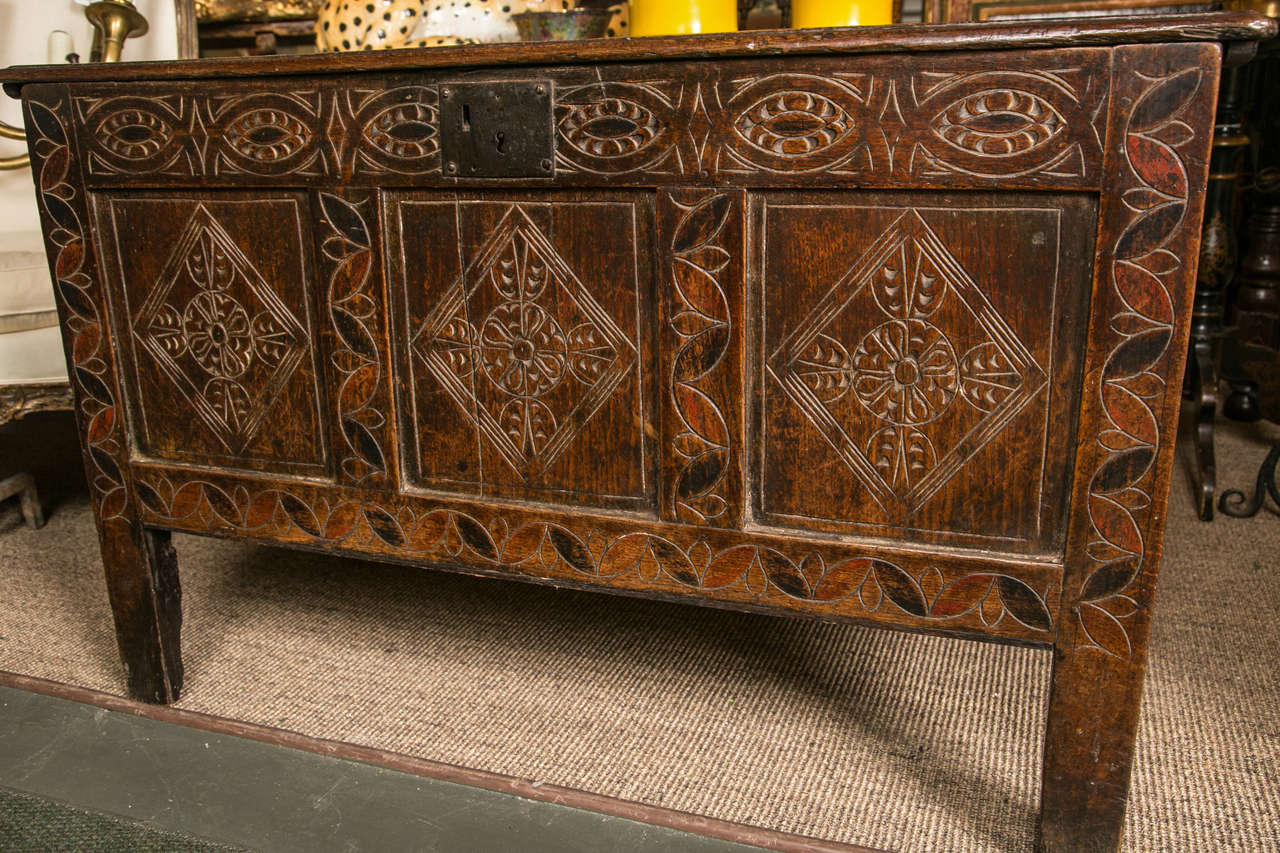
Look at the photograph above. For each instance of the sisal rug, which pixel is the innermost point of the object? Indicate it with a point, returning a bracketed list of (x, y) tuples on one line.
[(874, 738)]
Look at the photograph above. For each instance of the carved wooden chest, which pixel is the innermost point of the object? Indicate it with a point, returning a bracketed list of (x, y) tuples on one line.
[(884, 326)]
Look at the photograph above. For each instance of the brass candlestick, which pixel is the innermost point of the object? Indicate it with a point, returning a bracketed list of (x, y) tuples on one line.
[(113, 22)]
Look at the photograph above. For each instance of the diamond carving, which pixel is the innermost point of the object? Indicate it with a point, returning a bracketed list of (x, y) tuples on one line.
[(905, 368), (522, 348), (219, 332)]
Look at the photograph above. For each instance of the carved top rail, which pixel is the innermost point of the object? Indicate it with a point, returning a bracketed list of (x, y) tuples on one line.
[(959, 120)]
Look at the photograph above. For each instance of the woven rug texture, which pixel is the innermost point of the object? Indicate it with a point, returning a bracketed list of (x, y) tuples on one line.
[(879, 738)]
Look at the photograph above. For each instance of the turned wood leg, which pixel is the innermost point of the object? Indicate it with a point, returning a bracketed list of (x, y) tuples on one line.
[(1088, 750), (142, 583), (1215, 270), (1254, 312), (1204, 390)]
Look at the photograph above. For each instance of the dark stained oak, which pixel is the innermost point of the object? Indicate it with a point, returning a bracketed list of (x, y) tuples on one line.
[(880, 326)]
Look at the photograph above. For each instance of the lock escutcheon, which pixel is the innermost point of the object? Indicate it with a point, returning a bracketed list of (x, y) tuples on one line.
[(497, 130)]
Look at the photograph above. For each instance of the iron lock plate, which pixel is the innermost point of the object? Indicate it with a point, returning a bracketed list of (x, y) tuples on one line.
[(497, 130)]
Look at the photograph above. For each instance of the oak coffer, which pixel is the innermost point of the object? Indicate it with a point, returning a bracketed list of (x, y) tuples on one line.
[(882, 325)]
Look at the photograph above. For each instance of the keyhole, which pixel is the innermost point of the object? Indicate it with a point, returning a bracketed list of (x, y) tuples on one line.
[(500, 140), (466, 118)]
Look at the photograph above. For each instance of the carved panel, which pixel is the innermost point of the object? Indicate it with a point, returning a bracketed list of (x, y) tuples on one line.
[(525, 344), (317, 133), (358, 362), (218, 327), (617, 128), (906, 370), (966, 120), (837, 581), (702, 291), (963, 120)]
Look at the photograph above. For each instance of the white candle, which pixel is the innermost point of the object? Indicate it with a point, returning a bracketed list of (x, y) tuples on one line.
[(60, 44)]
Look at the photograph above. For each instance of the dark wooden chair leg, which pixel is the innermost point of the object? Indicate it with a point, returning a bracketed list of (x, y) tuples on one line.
[(1216, 268), (1253, 314), (23, 484), (1088, 749), (1204, 391), (142, 583)]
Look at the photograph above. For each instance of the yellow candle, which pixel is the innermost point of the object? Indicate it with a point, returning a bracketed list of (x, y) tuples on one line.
[(841, 13), (681, 17)]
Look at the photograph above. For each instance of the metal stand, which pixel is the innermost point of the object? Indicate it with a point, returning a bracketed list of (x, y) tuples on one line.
[(1234, 503)]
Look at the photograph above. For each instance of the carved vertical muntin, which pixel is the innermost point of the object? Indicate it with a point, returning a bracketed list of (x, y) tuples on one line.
[(701, 293), (1150, 217), (141, 567), (354, 319)]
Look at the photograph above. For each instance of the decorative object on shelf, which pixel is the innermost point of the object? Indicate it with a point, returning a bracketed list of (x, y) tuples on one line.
[(1253, 306), (619, 25), (840, 13), (345, 25), (210, 11), (1251, 345), (955, 11), (683, 17), (569, 25), (481, 20), (16, 161)]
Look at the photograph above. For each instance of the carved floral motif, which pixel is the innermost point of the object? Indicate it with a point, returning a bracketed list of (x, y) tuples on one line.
[(929, 348), (230, 364), (542, 329)]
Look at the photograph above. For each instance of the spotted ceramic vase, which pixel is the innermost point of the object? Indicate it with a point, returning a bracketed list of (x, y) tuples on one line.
[(482, 20), (376, 25), (379, 24)]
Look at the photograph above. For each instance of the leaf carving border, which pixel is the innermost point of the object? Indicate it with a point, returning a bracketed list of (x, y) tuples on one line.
[(676, 559), (86, 333), (702, 301), (1147, 284), (357, 312)]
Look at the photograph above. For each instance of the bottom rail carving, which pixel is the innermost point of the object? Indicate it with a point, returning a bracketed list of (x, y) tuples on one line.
[(685, 561)]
